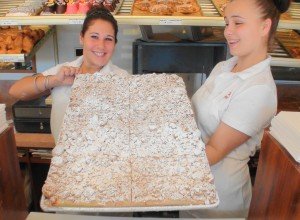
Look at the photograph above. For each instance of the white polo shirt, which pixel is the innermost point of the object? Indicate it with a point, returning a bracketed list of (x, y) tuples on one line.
[(61, 95), (246, 101)]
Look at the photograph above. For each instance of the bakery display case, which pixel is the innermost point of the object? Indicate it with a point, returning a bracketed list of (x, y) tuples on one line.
[(210, 16), (199, 13)]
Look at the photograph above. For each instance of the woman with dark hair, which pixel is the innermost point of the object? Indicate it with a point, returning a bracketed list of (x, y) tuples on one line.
[(98, 38), (237, 102)]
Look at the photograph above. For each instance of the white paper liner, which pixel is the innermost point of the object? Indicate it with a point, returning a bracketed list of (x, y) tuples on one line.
[(48, 208)]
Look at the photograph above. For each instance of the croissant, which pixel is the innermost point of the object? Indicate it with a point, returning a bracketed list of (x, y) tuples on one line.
[(14, 51), (18, 42), (41, 33), (26, 30), (27, 44), (8, 41), (3, 49), (35, 36)]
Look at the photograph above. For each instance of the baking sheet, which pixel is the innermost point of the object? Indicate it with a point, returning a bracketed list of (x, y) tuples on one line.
[(48, 208), (176, 177)]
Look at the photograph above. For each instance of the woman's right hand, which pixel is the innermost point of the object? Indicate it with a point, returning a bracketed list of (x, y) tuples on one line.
[(34, 86), (66, 75)]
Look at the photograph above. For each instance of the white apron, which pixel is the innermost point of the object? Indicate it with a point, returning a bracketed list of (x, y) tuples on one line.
[(231, 175)]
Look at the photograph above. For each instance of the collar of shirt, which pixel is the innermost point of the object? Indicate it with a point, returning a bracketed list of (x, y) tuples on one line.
[(245, 74), (105, 69)]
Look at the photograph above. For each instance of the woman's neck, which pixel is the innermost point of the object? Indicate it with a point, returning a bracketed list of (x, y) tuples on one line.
[(89, 69), (246, 62)]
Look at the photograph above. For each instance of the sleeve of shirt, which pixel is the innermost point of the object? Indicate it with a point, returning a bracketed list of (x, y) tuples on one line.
[(252, 110)]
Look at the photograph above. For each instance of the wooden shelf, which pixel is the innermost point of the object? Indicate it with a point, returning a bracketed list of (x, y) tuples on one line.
[(39, 160), (28, 140)]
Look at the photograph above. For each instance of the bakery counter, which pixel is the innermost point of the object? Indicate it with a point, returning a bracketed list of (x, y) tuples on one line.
[(276, 189), (34, 153)]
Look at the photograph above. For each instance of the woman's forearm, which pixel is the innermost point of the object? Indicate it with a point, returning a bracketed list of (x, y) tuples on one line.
[(213, 154), (32, 87)]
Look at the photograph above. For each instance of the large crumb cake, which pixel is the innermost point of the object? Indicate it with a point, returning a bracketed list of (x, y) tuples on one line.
[(129, 141)]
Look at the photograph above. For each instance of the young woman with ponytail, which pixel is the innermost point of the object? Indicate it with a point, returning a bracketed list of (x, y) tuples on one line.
[(237, 102)]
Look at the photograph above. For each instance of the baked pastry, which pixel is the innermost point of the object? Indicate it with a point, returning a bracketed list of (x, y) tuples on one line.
[(187, 8), (83, 7), (161, 9), (72, 7), (139, 146), (50, 6), (28, 44), (143, 5), (61, 6)]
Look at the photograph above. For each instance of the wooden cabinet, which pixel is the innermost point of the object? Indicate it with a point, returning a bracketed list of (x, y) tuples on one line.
[(12, 199), (37, 168), (276, 193)]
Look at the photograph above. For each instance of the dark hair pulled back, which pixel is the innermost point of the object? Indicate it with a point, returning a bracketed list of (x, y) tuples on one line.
[(99, 12), (282, 5), (272, 9)]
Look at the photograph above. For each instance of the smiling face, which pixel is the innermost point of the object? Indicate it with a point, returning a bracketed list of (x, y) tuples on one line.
[(246, 33), (98, 44)]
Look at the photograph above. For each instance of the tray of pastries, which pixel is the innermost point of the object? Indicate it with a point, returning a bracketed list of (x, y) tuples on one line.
[(129, 143), (71, 7), (290, 40), (17, 44), (23, 8), (166, 7)]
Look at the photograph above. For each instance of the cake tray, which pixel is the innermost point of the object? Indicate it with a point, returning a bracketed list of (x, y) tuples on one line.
[(47, 208)]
